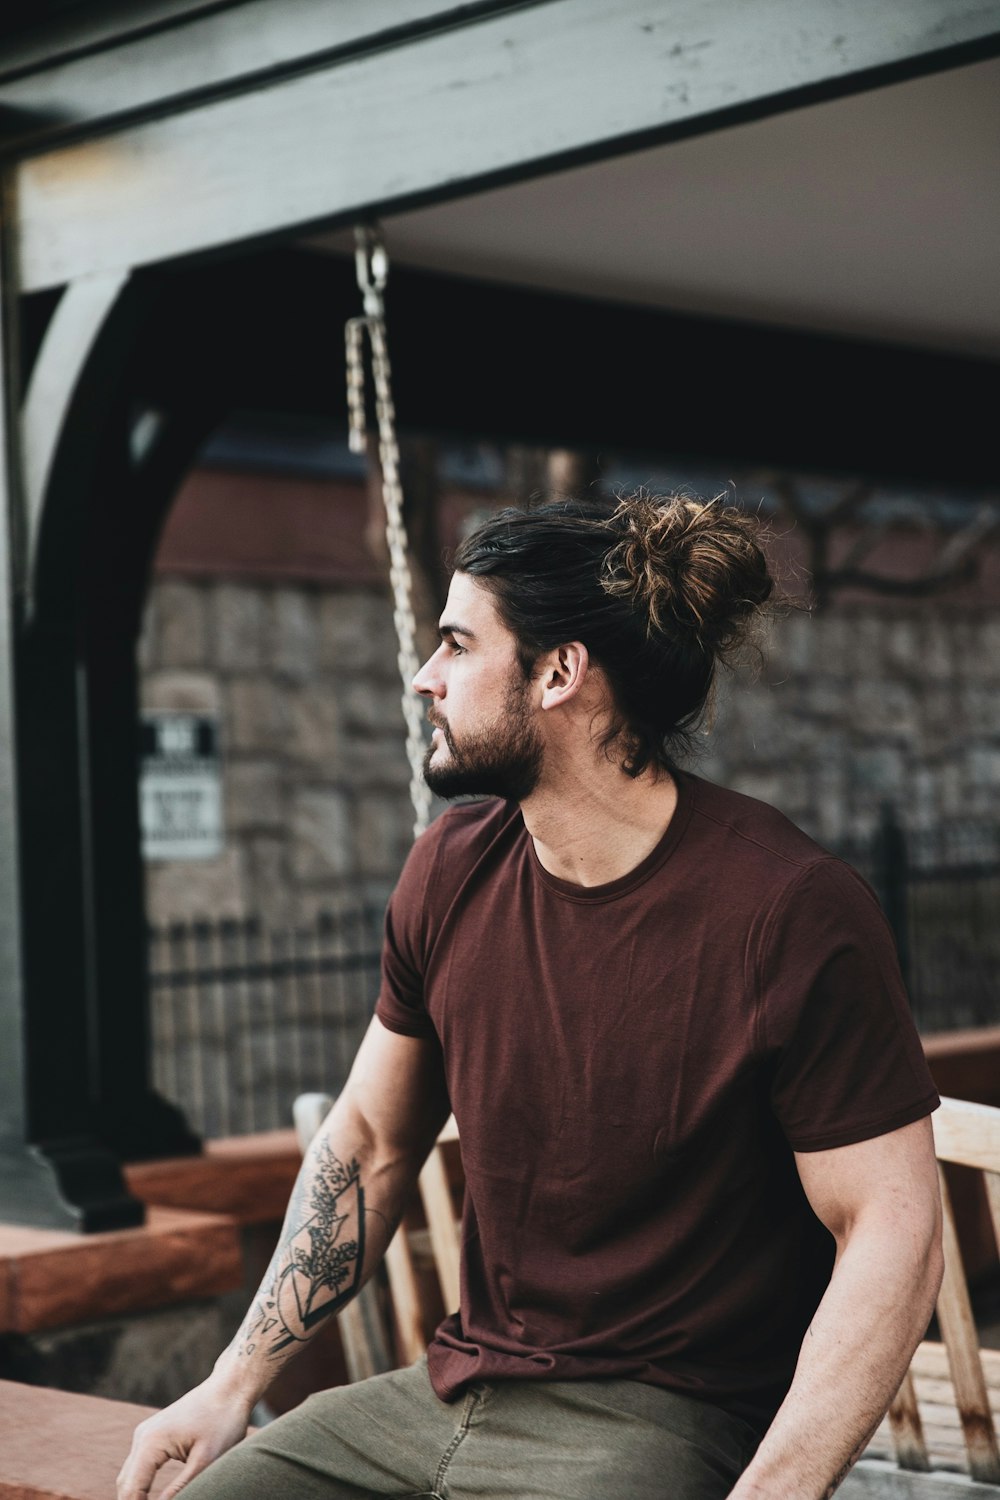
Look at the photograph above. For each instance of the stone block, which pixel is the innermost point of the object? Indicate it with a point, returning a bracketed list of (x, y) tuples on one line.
[(825, 698), (878, 772), (384, 824), (372, 708), (257, 717), (180, 614), (792, 645), (314, 732), (294, 633), (254, 795), (884, 706), (937, 660), (269, 885), (982, 763), (322, 835), (357, 635), (773, 732), (867, 643), (922, 798), (977, 710), (987, 635), (239, 627), (794, 794), (829, 797), (184, 890), (374, 762), (951, 790), (902, 652), (181, 693), (833, 643)]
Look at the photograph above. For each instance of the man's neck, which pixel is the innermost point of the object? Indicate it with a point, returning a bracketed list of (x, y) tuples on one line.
[(596, 827)]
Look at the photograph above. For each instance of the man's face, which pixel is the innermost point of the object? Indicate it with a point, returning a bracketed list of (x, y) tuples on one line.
[(486, 741)]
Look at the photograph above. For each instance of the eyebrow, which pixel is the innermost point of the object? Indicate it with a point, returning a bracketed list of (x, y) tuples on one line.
[(446, 629)]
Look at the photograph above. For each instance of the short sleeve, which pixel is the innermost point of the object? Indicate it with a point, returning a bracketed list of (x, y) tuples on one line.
[(400, 1006), (836, 1027)]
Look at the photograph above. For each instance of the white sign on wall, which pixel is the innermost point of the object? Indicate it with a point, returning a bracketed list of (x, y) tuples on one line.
[(180, 787)]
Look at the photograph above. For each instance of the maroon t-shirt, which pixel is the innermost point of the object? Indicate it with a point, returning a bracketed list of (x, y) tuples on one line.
[(631, 1067)]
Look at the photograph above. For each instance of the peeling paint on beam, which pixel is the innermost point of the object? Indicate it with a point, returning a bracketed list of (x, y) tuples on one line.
[(531, 90)]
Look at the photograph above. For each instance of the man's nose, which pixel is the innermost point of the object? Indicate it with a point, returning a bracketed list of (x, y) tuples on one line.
[(428, 682)]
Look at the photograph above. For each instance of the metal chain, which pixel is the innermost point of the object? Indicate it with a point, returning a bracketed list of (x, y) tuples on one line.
[(373, 271)]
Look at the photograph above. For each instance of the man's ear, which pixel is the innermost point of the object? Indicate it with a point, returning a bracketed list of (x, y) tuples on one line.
[(563, 674)]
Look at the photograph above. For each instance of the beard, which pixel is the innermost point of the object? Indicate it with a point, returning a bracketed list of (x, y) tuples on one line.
[(504, 759)]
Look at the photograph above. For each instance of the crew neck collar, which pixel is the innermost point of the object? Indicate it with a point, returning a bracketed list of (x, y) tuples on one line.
[(590, 894)]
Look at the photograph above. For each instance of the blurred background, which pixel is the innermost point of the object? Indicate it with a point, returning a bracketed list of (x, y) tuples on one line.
[(738, 257), (748, 251)]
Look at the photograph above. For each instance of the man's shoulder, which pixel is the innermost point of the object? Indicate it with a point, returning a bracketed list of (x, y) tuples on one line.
[(763, 862), (754, 832)]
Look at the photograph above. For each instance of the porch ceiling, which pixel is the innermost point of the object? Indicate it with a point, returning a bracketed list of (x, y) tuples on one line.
[(873, 216)]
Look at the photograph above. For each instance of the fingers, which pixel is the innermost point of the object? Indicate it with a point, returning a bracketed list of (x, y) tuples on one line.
[(194, 1465), (149, 1452), (138, 1472)]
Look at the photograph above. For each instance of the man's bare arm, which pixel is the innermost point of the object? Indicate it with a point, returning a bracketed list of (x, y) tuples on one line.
[(880, 1200), (355, 1181)]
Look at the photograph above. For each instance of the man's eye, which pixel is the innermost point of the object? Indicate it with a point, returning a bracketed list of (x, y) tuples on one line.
[(456, 649)]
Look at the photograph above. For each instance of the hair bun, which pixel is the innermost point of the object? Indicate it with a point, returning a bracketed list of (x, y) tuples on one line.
[(689, 564)]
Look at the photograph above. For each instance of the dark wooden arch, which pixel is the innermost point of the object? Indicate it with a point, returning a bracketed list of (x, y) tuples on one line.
[(264, 331)]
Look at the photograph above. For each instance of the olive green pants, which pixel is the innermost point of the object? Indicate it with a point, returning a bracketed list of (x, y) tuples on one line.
[(504, 1440)]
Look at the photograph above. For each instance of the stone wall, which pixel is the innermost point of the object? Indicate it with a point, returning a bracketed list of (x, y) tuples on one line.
[(858, 707), (304, 684), (853, 707)]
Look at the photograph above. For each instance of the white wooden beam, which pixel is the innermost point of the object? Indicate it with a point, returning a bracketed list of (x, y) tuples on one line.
[(188, 55), (61, 363), (539, 87)]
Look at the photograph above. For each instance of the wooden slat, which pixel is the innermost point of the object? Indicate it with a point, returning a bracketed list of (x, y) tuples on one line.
[(962, 1343), (931, 1363), (968, 1134), (907, 1429), (992, 1181), (406, 1301), (436, 1195), (58, 1446)]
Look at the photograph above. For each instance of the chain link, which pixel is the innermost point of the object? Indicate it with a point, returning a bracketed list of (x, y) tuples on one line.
[(373, 270)]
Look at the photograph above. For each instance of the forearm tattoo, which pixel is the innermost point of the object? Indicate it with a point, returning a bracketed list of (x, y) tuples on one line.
[(317, 1264)]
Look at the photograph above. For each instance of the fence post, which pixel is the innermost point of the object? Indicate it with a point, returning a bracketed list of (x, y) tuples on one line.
[(892, 882)]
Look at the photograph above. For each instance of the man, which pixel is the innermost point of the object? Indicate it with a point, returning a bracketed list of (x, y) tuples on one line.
[(701, 1234)]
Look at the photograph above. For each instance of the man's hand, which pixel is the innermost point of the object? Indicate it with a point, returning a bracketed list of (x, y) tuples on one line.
[(354, 1182), (196, 1430)]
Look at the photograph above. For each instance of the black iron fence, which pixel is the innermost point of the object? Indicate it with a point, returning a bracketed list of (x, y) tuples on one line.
[(245, 1018), (940, 889)]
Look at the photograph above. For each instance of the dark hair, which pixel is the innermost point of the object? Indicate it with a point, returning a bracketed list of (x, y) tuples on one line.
[(660, 590)]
